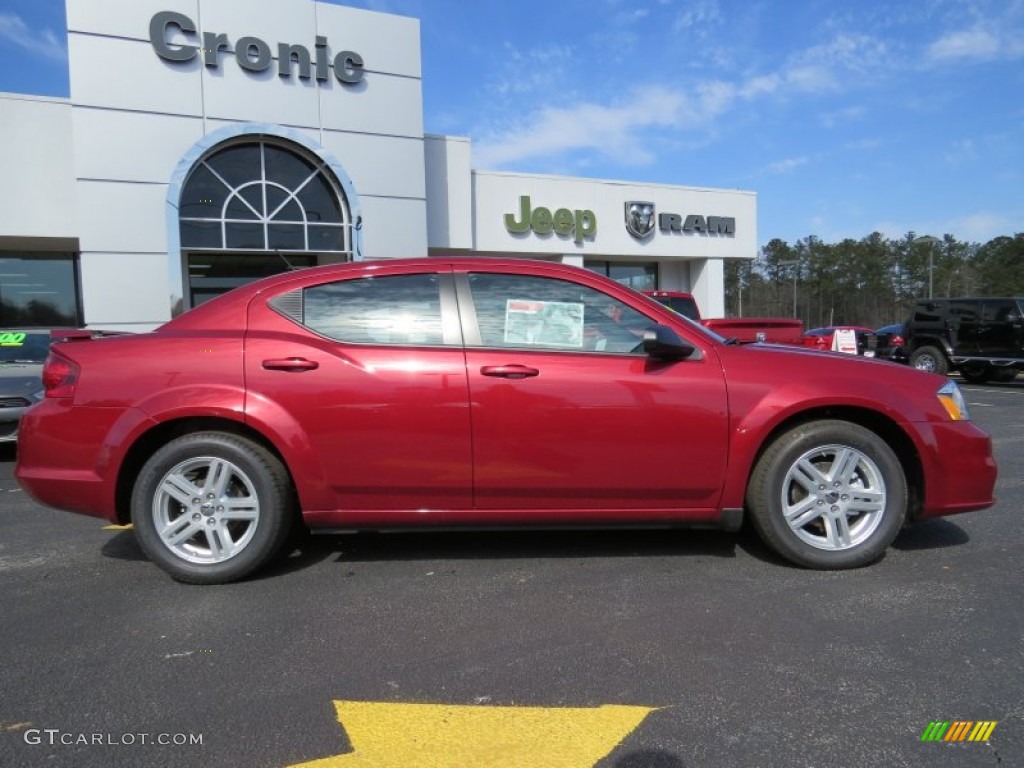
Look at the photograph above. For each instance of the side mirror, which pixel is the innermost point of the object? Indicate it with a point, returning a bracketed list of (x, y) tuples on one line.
[(664, 343)]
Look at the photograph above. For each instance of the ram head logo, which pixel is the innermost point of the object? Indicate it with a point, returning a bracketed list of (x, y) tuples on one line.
[(639, 218)]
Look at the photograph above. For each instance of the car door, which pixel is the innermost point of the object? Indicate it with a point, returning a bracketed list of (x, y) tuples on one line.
[(571, 420), (999, 330), (365, 378), (963, 317)]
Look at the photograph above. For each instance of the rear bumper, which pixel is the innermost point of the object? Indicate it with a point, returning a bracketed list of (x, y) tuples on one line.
[(67, 458), (959, 470)]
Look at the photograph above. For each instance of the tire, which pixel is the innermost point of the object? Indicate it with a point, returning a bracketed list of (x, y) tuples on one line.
[(211, 508), (929, 359), (828, 495), (978, 373)]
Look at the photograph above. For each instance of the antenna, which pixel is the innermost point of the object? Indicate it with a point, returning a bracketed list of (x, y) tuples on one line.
[(291, 267)]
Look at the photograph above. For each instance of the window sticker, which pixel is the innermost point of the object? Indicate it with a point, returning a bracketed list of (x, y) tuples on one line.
[(12, 338), (544, 323)]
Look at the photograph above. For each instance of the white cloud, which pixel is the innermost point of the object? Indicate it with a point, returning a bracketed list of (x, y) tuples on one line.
[(843, 116), (980, 227), (698, 16), (42, 43), (863, 144), (787, 165), (624, 130), (974, 43), (533, 70), (961, 150), (616, 131)]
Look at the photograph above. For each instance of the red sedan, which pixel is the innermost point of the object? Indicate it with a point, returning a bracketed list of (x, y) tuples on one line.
[(437, 393)]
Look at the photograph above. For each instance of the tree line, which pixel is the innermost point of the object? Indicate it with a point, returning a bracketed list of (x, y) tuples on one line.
[(869, 282)]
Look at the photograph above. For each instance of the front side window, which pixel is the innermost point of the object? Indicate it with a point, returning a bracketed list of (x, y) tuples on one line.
[(999, 311), (394, 309), (545, 313)]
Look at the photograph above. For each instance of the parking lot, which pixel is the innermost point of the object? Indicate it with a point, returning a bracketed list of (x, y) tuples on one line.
[(640, 649)]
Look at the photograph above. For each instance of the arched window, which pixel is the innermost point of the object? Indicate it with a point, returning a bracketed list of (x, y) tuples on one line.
[(263, 195)]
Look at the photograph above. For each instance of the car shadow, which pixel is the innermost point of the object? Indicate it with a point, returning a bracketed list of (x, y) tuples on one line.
[(305, 550), (931, 534), (123, 546), (398, 546)]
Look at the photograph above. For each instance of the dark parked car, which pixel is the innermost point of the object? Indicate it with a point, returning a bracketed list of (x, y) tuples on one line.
[(981, 338), (439, 393), (889, 343), (22, 353), (823, 338)]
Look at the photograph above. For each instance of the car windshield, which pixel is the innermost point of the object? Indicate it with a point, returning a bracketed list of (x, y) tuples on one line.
[(24, 346)]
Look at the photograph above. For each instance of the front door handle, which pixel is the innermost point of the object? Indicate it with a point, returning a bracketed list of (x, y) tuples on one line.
[(290, 364), (509, 371)]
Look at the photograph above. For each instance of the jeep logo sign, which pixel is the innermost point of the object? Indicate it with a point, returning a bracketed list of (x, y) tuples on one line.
[(579, 224), (251, 53), (640, 222)]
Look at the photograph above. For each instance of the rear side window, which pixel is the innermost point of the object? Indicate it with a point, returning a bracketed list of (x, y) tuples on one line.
[(394, 309), (546, 313)]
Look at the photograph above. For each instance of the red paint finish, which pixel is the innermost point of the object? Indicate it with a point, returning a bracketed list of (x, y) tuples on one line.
[(389, 410)]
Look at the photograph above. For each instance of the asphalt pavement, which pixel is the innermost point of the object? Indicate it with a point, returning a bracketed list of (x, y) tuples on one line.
[(658, 649)]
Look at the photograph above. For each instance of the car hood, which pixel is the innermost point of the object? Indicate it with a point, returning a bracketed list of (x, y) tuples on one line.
[(20, 378)]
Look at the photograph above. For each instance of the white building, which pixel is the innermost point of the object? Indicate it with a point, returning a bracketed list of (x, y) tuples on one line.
[(210, 142)]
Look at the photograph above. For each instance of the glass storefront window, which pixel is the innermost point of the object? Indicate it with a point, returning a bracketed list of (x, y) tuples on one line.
[(641, 276), (212, 274), (39, 290), (261, 196)]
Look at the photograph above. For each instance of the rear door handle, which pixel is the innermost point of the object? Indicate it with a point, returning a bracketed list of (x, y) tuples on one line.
[(509, 371), (290, 364)]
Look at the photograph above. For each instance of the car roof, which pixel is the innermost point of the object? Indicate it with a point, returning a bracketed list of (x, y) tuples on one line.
[(233, 301)]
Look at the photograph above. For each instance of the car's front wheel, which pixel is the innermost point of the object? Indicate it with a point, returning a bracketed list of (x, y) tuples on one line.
[(211, 508), (828, 494)]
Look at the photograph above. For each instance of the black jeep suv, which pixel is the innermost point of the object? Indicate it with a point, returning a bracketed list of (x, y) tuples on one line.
[(982, 338)]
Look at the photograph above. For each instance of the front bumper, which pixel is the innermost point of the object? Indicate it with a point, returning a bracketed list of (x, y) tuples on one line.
[(959, 469)]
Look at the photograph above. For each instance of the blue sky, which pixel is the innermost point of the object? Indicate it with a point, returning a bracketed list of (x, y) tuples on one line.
[(845, 118)]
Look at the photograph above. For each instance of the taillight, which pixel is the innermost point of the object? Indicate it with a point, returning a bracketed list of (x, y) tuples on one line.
[(59, 376), (897, 341)]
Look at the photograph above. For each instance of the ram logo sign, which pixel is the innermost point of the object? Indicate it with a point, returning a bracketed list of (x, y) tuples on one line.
[(640, 219)]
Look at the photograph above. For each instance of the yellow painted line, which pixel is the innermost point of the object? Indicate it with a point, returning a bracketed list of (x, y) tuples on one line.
[(397, 735), (118, 527)]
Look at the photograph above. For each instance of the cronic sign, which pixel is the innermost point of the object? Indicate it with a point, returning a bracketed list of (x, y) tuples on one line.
[(175, 37)]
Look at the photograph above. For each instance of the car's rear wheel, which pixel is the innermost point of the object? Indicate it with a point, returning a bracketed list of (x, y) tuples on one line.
[(929, 359), (1004, 374), (977, 373), (211, 508), (828, 494)]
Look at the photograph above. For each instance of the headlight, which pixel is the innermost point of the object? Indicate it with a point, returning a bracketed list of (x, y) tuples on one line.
[(952, 400)]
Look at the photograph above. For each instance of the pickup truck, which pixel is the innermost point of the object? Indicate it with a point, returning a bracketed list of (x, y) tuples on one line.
[(774, 330)]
